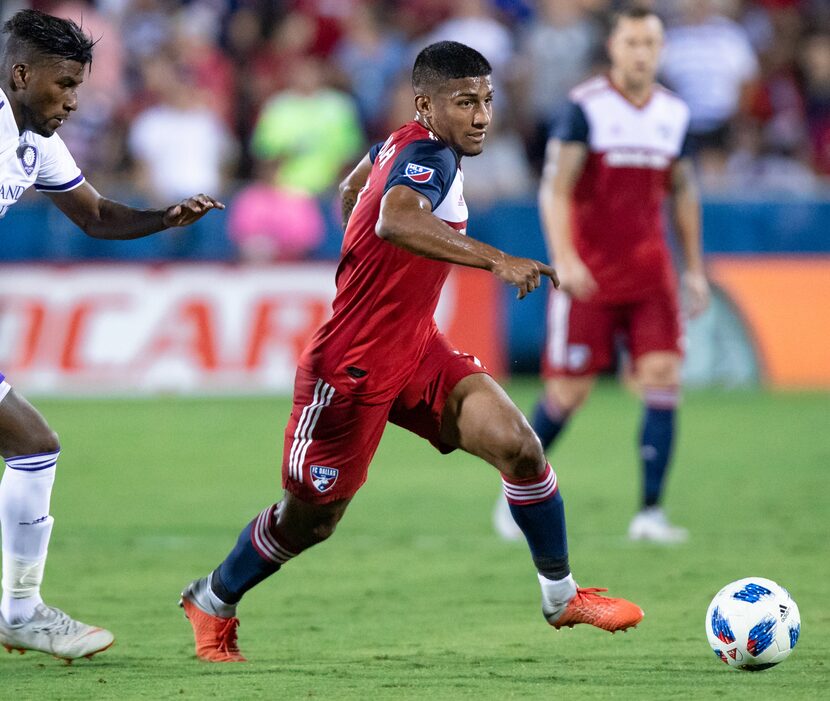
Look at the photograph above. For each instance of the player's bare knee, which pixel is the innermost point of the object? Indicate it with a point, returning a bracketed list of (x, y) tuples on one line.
[(569, 393), (35, 440), (39, 438), (25, 431), (47, 442), (660, 373), (521, 454)]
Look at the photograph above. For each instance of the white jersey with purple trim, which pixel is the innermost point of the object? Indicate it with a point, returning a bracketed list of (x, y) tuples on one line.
[(30, 159)]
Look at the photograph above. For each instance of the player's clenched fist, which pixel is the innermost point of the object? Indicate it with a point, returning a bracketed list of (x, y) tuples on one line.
[(523, 273), (189, 210), (577, 279), (696, 289)]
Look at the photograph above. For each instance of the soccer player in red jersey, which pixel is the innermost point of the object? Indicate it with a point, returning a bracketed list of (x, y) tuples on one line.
[(617, 150), (381, 358)]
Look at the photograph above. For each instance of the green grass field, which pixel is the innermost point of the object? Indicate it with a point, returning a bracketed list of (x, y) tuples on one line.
[(414, 597)]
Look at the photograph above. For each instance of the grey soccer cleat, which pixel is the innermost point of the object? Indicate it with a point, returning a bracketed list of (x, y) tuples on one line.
[(52, 631)]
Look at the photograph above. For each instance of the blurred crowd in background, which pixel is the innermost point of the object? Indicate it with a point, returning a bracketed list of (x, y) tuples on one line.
[(267, 103)]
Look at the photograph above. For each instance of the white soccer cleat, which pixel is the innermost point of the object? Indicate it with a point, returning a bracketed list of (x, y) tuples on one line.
[(503, 522), (651, 525), (52, 631)]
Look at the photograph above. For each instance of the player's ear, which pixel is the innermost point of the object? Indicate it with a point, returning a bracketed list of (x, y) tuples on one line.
[(423, 104), (20, 75)]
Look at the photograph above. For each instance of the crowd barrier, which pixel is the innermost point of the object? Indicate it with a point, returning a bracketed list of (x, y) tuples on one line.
[(110, 318), (193, 328)]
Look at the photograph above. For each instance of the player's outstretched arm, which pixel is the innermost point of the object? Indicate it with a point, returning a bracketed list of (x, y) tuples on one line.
[(406, 220), (102, 218), (351, 186)]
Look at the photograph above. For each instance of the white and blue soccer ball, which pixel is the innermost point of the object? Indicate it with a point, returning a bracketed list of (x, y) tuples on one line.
[(753, 624)]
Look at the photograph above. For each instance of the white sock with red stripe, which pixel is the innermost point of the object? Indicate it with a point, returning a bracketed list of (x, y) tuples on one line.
[(539, 512), (25, 495)]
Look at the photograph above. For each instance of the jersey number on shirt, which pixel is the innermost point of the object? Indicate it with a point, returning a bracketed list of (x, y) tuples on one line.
[(385, 154)]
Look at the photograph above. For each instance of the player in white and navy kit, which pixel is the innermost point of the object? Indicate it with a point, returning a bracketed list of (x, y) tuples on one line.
[(43, 63), (616, 154)]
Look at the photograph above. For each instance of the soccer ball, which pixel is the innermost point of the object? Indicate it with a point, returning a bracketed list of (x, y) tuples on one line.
[(753, 624)]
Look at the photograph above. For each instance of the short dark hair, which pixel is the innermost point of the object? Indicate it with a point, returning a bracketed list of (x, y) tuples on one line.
[(447, 60), (633, 10), (49, 36)]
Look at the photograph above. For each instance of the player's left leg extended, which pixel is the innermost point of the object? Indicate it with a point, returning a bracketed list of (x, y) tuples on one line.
[(277, 534), (329, 443), (658, 376), (481, 419)]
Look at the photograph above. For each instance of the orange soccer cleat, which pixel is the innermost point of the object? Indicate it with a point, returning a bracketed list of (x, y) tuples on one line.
[(587, 606), (215, 636)]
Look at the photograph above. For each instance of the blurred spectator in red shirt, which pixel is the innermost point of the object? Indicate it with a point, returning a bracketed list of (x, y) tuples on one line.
[(328, 18), (208, 68), (776, 102), (272, 65), (414, 18), (95, 132), (815, 66)]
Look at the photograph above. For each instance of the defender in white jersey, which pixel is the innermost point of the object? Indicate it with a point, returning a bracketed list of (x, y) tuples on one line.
[(43, 64)]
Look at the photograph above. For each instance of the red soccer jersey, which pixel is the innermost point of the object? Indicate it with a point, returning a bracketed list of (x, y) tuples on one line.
[(382, 314), (618, 200)]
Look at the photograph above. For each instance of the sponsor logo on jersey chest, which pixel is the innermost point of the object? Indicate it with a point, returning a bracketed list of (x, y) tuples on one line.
[(637, 158)]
